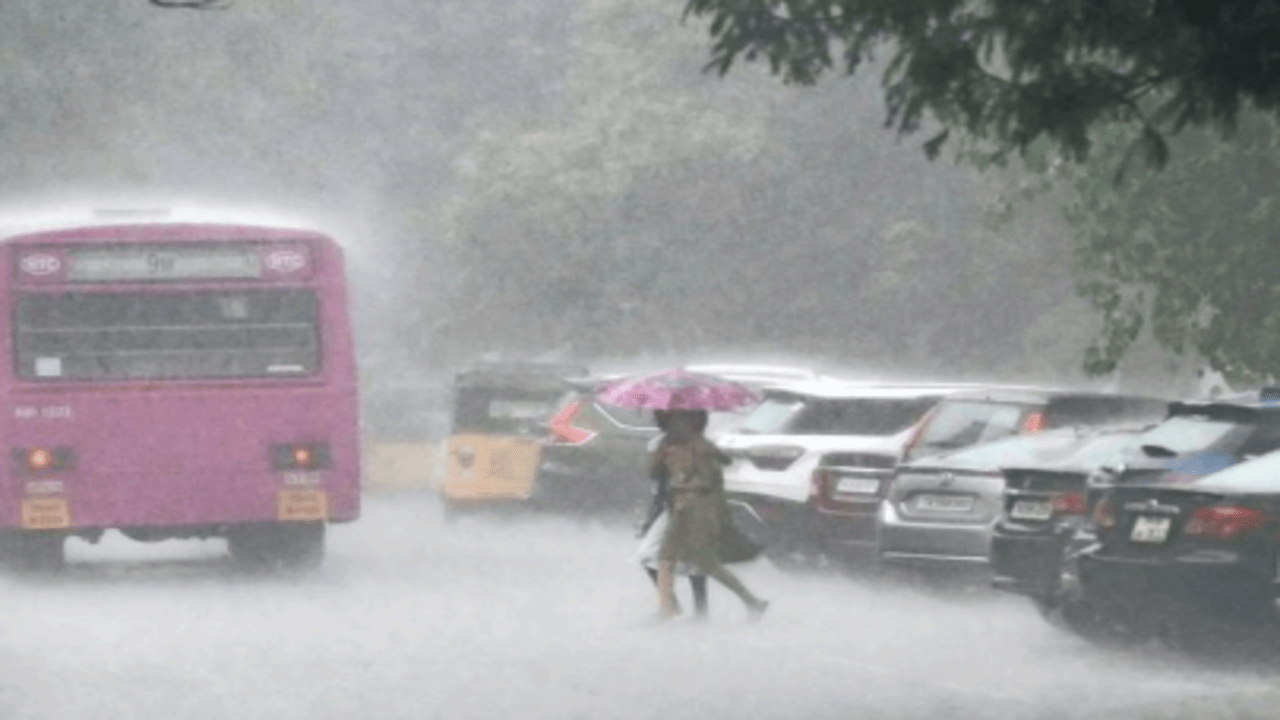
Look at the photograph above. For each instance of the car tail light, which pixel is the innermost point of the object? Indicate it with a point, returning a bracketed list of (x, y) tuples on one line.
[(1070, 503), (300, 456), (1104, 515), (42, 459), (1224, 521), (562, 430), (818, 483), (1033, 423)]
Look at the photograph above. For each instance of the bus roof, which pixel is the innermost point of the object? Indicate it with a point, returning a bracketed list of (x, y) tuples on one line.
[(17, 225)]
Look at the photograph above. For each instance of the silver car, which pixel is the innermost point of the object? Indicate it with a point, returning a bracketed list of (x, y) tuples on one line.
[(939, 510)]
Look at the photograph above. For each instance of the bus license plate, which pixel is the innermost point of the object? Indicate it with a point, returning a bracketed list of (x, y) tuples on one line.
[(45, 514), (1147, 529), (296, 505)]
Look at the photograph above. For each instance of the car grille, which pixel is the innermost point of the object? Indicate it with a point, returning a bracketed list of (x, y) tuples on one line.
[(868, 460)]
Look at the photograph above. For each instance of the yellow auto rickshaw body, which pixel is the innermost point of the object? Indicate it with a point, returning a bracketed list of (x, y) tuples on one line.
[(500, 415)]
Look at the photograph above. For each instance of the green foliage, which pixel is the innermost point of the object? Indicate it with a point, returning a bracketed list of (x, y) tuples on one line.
[(1011, 72), (1188, 254)]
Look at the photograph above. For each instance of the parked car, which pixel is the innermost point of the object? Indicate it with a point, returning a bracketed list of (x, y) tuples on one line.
[(1196, 440), (1044, 506), (595, 456), (939, 510), (1194, 561), (801, 427)]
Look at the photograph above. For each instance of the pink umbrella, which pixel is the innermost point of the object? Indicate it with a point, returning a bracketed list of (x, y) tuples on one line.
[(676, 390)]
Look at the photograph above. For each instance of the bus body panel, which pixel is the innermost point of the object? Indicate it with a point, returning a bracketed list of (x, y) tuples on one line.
[(181, 452)]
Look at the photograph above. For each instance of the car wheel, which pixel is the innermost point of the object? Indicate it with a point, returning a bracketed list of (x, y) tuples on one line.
[(1104, 625)]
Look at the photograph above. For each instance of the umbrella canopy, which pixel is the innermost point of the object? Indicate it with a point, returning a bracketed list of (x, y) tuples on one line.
[(676, 390)]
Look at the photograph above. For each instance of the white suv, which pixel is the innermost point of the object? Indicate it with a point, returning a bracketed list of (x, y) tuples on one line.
[(802, 426)]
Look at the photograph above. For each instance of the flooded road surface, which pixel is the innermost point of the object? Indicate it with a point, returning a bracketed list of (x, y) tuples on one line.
[(543, 618)]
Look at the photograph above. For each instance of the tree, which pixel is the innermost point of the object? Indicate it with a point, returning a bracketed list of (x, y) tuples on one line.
[(1010, 72), (1188, 254)]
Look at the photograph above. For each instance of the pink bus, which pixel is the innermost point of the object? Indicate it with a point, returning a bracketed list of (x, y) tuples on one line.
[(177, 380)]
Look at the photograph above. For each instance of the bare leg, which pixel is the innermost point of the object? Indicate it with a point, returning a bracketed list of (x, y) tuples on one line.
[(726, 577), (666, 589), (653, 575)]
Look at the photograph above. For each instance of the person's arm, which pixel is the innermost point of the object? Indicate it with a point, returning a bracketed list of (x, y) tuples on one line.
[(657, 504), (658, 465)]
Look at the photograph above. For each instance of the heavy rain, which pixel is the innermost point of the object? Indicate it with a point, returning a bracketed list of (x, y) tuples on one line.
[(318, 312)]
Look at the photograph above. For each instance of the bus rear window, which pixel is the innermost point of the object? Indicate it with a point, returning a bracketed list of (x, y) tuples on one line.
[(135, 336)]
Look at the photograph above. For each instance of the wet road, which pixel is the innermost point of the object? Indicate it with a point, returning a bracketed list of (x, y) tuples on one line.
[(543, 618)]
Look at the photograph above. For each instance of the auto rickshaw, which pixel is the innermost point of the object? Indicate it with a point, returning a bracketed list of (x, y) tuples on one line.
[(500, 416)]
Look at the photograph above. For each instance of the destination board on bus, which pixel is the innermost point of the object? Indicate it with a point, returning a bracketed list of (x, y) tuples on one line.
[(122, 264)]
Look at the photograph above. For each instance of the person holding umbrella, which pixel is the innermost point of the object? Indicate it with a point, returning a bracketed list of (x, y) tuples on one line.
[(690, 466), (654, 527)]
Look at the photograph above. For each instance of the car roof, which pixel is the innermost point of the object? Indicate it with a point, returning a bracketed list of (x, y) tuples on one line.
[(762, 372), (1231, 410), (835, 389), (519, 373), (1027, 393)]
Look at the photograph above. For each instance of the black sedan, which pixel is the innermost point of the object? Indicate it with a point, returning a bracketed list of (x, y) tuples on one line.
[(1043, 507), (1176, 559)]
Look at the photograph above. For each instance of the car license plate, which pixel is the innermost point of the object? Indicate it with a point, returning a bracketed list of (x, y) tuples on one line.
[(858, 486), (1148, 529), (45, 514), (1032, 510), (944, 503), (298, 505)]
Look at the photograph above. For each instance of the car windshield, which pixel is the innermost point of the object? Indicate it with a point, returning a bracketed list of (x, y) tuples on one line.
[(836, 416)]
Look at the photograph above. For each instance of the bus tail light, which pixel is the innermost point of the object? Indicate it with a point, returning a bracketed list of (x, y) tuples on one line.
[(300, 456), (43, 459)]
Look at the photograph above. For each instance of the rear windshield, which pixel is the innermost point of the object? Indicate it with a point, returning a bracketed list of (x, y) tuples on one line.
[(785, 415), (962, 423), (121, 336), (1102, 409), (504, 411), (1182, 434)]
